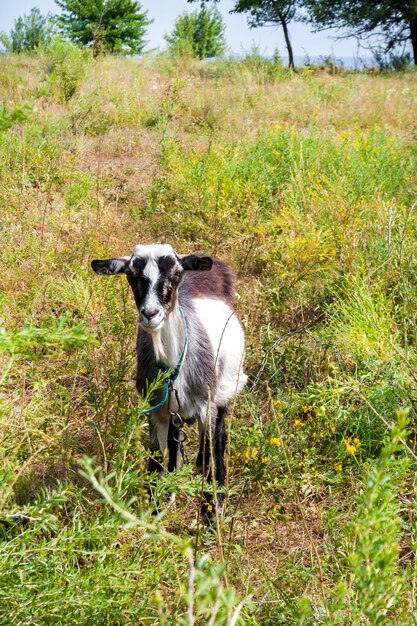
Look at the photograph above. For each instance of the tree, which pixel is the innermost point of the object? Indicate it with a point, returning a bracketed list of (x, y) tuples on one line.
[(271, 13), (392, 21), (201, 32), (29, 32), (115, 26)]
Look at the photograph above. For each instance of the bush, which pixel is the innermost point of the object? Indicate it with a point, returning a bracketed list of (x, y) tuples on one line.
[(66, 66), (200, 34), (30, 32)]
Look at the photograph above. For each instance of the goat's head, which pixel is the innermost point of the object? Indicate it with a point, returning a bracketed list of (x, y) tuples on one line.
[(154, 273)]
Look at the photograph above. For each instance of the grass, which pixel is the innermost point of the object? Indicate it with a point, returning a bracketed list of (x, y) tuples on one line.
[(305, 183)]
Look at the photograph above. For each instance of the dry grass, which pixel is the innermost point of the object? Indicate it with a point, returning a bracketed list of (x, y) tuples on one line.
[(159, 150)]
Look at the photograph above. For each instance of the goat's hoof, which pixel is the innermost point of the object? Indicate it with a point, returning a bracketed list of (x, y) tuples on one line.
[(209, 524), (210, 517)]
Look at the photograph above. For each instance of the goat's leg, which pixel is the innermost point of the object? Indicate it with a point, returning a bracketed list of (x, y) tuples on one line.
[(173, 456), (203, 466), (158, 432), (211, 457), (219, 450), (203, 457), (173, 447), (163, 432)]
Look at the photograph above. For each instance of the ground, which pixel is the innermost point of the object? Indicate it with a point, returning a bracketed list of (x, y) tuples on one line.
[(304, 182)]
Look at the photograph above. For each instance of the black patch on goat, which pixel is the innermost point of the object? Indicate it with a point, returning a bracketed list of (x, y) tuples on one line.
[(165, 263), (139, 285), (138, 264), (109, 267), (173, 435), (167, 285)]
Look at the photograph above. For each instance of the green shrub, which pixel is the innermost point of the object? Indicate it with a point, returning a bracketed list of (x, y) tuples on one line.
[(200, 34), (65, 66)]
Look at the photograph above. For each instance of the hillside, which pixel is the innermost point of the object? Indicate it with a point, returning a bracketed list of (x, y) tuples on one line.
[(306, 183)]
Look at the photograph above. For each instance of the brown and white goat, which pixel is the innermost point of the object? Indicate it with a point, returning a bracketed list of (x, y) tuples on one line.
[(185, 299)]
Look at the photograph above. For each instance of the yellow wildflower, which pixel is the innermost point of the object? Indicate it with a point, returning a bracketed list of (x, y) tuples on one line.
[(298, 423), (344, 135), (265, 459), (254, 451), (338, 467), (350, 448), (275, 441)]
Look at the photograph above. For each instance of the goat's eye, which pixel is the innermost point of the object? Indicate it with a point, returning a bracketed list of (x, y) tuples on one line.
[(167, 291)]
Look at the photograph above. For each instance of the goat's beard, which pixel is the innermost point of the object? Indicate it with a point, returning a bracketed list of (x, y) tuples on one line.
[(158, 346)]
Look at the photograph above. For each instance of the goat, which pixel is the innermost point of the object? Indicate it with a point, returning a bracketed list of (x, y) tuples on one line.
[(186, 326)]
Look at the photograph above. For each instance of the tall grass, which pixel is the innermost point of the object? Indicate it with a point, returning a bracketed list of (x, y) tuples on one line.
[(306, 184)]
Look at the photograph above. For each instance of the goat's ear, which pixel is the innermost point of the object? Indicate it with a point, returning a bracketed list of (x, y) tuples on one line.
[(110, 266), (197, 262)]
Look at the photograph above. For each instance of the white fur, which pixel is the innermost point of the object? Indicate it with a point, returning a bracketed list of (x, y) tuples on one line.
[(158, 346), (228, 343), (154, 251), (151, 271), (168, 342)]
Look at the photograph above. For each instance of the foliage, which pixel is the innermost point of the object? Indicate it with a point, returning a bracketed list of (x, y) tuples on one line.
[(373, 590), (271, 12), (263, 13), (392, 21), (86, 568), (30, 32), (18, 114), (113, 26), (65, 65), (391, 60), (200, 33), (305, 182)]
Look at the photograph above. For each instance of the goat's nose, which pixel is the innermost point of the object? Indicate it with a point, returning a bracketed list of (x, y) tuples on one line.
[(149, 313)]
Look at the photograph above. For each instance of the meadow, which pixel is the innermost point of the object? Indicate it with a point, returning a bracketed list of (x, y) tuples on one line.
[(306, 183)]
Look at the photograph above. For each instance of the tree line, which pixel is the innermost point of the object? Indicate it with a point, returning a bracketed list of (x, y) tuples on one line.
[(388, 27)]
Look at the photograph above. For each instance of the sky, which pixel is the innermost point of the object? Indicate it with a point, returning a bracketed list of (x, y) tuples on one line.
[(238, 35)]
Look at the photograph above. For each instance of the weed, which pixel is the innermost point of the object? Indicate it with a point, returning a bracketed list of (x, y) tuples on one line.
[(305, 183)]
